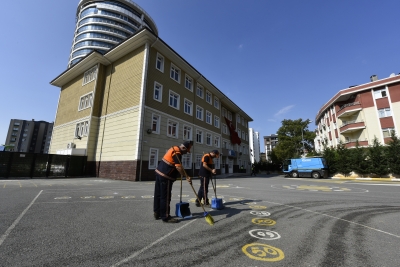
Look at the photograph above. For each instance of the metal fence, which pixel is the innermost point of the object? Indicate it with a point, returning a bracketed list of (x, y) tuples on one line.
[(18, 164)]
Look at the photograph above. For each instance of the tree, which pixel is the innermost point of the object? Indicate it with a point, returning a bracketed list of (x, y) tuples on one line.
[(290, 139), (359, 160), (377, 159), (330, 156), (343, 159), (393, 155)]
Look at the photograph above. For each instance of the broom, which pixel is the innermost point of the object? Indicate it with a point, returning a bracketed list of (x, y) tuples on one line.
[(207, 216)]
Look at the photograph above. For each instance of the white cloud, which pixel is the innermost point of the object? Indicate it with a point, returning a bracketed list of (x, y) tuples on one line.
[(284, 110)]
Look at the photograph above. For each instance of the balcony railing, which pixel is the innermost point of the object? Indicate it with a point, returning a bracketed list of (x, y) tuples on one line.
[(344, 123), (349, 105)]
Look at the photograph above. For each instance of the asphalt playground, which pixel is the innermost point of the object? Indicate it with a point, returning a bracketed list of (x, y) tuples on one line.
[(268, 220)]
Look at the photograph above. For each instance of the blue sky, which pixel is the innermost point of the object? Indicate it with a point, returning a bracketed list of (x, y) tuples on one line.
[(275, 59)]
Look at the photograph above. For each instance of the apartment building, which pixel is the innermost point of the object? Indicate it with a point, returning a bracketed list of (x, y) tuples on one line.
[(360, 113), (254, 143), (29, 136), (270, 142), (125, 108)]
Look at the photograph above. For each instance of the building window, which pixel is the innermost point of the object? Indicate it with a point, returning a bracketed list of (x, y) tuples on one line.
[(216, 102), (387, 132), (175, 73), (224, 128), (157, 92), (238, 118), (239, 133), (208, 117), (172, 129), (199, 113), (187, 161), (199, 136), (160, 62), (86, 101), (90, 75), (216, 121), (82, 129), (217, 141), (199, 91), (384, 112), (380, 93), (153, 158), (208, 139), (198, 161), (229, 116), (224, 113), (173, 100), (217, 164), (188, 83), (155, 124), (208, 97), (242, 121), (187, 132), (16, 123), (188, 107)]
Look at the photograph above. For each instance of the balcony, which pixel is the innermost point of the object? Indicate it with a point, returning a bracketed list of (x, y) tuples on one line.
[(352, 126), (349, 109), (350, 143)]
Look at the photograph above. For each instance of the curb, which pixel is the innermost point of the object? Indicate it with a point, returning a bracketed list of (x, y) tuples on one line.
[(368, 179)]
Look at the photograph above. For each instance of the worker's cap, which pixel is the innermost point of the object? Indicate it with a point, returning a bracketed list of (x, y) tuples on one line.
[(216, 152), (188, 145)]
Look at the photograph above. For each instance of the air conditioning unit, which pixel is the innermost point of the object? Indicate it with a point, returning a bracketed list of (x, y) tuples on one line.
[(71, 145)]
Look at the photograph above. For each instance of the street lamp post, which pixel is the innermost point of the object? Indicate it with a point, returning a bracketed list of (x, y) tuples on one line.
[(302, 135)]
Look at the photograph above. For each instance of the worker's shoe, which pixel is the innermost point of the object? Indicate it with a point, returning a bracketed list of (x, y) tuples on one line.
[(169, 219), (197, 204), (207, 205), (156, 216)]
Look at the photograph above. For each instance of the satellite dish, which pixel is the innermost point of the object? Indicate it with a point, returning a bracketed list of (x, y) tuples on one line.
[(392, 75)]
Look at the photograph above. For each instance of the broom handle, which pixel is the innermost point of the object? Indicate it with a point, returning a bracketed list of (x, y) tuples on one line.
[(180, 198), (215, 191)]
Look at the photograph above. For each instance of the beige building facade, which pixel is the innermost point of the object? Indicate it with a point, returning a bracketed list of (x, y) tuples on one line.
[(360, 113), (126, 108)]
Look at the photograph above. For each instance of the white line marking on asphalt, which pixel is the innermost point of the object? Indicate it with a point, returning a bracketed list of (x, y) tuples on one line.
[(149, 246), (377, 184), (323, 214), (7, 233)]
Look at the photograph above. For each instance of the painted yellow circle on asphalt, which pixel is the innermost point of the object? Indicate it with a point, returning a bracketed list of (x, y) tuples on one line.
[(106, 197), (258, 207), (263, 252), (263, 221), (126, 197)]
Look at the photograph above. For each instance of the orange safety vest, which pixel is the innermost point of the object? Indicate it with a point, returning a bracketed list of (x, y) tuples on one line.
[(167, 167)]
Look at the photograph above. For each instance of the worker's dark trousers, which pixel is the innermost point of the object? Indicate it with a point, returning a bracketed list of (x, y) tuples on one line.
[(203, 190), (162, 196)]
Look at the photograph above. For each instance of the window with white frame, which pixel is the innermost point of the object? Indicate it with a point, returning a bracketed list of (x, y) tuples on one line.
[(199, 112), (208, 139), (384, 112), (173, 99), (387, 132), (187, 132), (198, 161), (188, 83), (224, 128), (160, 62), (239, 132), (175, 73), (224, 113), (216, 121), (172, 129), (200, 91), (199, 136), (380, 93), (217, 164), (153, 158), (188, 107), (238, 118), (225, 144), (208, 117), (157, 92), (229, 115), (82, 129), (242, 121), (187, 161), (216, 102), (217, 141), (243, 135), (155, 124), (86, 101), (90, 75), (208, 97)]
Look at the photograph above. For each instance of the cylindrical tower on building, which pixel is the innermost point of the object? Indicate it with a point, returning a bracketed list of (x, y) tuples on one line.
[(101, 25)]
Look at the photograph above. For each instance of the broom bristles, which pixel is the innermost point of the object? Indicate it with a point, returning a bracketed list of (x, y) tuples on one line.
[(209, 219)]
